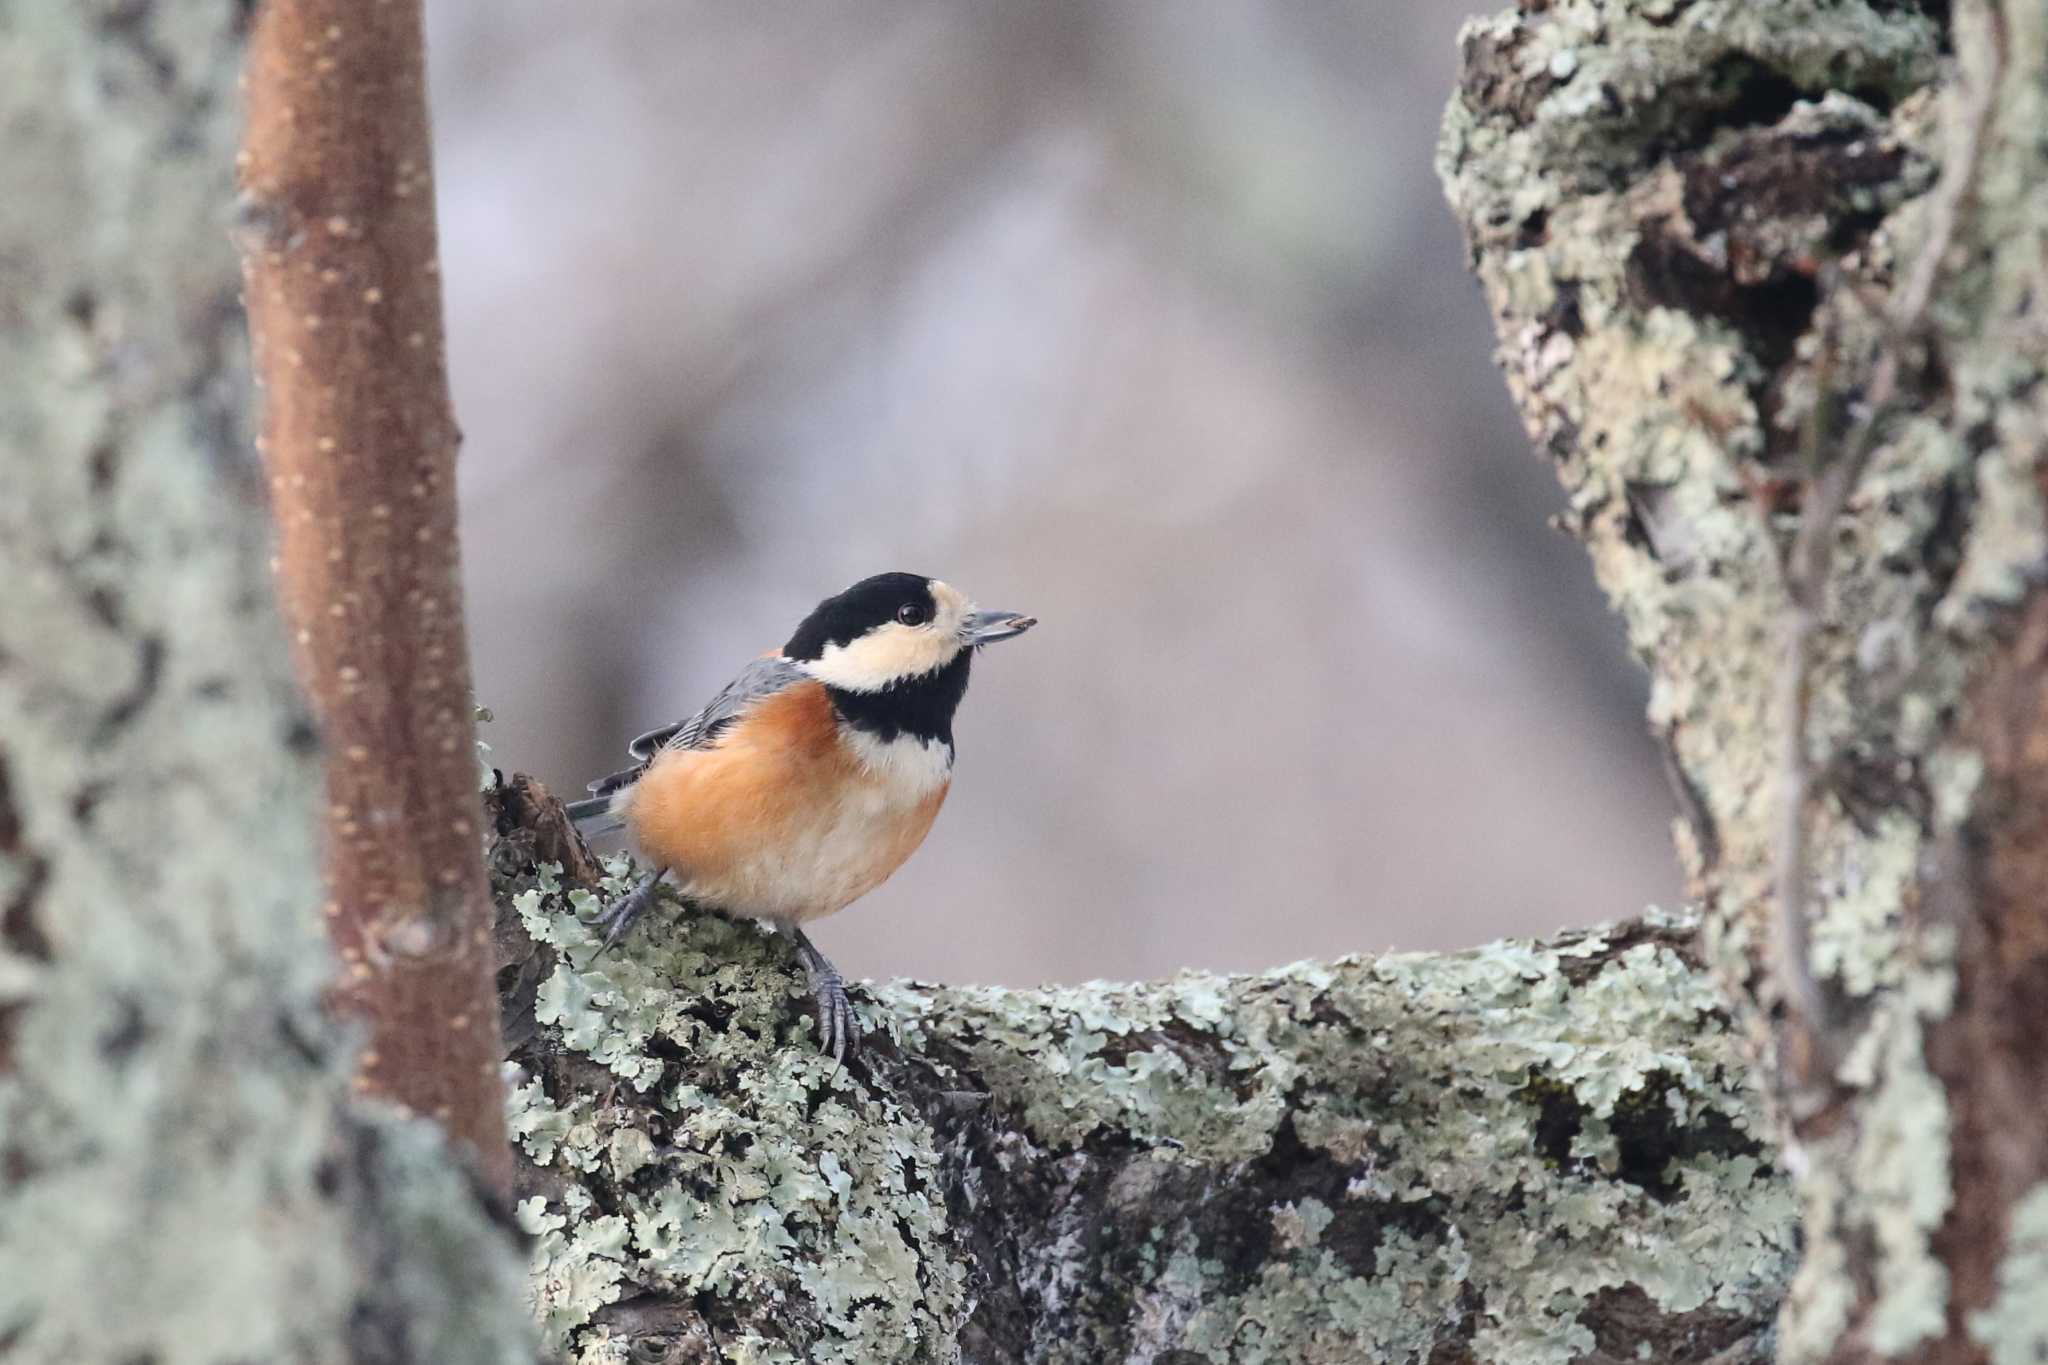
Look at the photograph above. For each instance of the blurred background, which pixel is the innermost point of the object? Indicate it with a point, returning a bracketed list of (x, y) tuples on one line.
[(1147, 318)]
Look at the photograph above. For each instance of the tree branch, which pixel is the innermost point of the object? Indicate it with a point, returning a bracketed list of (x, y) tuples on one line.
[(344, 300), (1527, 1153)]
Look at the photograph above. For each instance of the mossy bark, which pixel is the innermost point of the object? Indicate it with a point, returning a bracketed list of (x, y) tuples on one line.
[(182, 1177), (1700, 225), (1527, 1153)]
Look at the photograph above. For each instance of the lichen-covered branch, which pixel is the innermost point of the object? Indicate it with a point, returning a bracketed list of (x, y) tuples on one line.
[(1526, 1153), (1709, 230), (183, 1180), (344, 298)]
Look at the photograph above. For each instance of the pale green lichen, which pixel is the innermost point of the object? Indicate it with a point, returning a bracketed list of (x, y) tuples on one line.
[(2014, 1329), (535, 1123), (1481, 1145), (1900, 1169), (451, 1281), (1654, 410), (1644, 217), (183, 1178), (1047, 1051), (571, 1272), (1312, 1308), (2009, 542), (772, 1174), (1859, 943)]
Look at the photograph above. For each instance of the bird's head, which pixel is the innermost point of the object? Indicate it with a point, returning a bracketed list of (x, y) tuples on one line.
[(893, 629)]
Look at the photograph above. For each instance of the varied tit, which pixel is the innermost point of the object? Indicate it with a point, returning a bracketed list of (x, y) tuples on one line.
[(813, 775)]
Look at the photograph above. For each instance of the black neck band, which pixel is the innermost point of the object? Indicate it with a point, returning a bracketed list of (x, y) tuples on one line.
[(921, 707)]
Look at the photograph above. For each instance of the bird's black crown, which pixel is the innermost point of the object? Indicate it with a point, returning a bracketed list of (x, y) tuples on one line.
[(869, 603)]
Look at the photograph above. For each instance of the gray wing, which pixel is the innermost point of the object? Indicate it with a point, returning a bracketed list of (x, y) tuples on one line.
[(763, 677)]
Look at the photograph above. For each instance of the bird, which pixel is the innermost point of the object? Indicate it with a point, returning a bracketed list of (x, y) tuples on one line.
[(811, 776)]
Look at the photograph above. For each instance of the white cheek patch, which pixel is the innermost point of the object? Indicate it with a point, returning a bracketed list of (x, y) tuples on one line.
[(952, 607), (884, 656)]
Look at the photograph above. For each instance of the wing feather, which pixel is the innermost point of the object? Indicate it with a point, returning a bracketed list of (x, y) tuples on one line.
[(764, 677)]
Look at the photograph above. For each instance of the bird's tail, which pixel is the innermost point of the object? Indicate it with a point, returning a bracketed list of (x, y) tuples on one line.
[(594, 815)]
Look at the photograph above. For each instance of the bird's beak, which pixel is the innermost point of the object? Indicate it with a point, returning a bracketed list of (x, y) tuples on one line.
[(987, 627)]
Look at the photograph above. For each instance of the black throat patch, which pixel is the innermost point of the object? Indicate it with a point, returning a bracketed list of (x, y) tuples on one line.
[(921, 707)]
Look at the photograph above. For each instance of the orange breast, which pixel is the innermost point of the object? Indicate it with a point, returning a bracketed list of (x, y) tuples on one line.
[(780, 820)]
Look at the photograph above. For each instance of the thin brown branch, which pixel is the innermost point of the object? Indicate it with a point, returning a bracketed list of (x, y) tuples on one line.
[(344, 302), (1904, 325)]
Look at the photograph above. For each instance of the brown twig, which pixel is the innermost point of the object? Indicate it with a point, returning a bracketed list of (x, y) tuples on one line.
[(345, 306), (1805, 564)]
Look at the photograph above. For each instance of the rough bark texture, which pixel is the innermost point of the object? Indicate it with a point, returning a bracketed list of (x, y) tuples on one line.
[(344, 302), (1693, 219), (181, 1177), (1526, 1153)]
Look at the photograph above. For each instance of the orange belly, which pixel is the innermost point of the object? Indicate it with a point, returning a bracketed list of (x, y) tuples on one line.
[(780, 820)]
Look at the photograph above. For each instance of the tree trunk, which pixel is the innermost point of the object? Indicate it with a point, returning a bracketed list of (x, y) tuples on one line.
[(1527, 1153), (182, 1179), (1770, 291)]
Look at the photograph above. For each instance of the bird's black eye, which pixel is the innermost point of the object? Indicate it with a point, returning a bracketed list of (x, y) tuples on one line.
[(912, 614)]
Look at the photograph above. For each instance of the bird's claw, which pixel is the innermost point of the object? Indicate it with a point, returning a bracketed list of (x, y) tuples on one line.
[(838, 1033), (624, 912), (831, 1007)]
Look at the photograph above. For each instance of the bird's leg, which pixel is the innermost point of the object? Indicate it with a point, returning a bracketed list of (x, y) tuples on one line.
[(838, 1031), (628, 908)]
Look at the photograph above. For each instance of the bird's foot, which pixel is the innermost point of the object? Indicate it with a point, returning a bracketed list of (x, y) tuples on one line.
[(623, 913), (838, 1030)]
